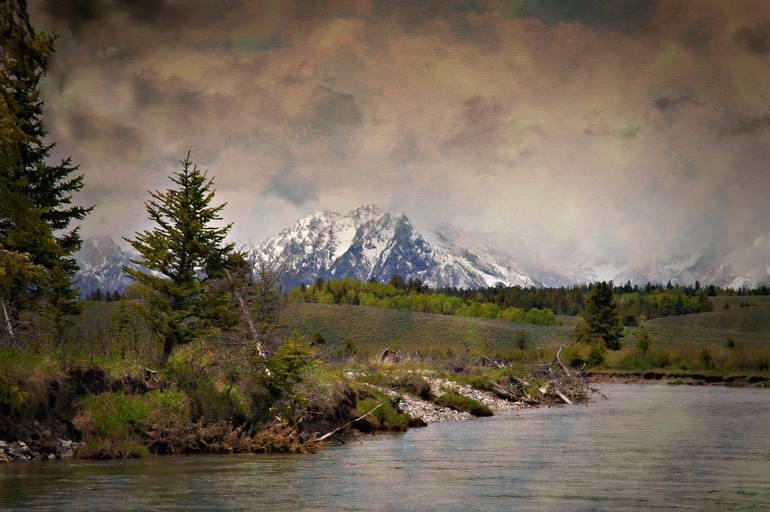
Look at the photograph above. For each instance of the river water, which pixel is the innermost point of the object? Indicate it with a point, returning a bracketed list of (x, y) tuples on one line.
[(650, 447)]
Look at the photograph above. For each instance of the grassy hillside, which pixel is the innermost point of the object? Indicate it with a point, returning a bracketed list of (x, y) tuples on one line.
[(375, 328), (745, 325)]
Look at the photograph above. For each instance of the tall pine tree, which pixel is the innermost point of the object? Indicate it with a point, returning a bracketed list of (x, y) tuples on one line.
[(601, 316), (46, 190), (184, 260)]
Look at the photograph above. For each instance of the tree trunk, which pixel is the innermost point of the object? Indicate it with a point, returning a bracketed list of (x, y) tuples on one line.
[(8, 325), (168, 347)]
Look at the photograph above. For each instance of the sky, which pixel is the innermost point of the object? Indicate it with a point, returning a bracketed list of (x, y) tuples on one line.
[(588, 133)]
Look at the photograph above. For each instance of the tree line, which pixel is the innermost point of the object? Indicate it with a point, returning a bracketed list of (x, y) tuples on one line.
[(412, 295), (635, 303)]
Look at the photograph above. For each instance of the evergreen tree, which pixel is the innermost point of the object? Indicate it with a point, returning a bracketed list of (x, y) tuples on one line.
[(601, 316), (19, 275), (48, 189), (186, 259)]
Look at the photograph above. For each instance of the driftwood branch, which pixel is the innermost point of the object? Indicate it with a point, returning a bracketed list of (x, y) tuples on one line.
[(328, 435)]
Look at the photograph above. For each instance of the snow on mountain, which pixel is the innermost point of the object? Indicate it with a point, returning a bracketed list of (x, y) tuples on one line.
[(369, 243), (101, 263)]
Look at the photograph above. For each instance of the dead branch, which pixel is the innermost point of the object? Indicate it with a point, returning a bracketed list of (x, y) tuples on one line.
[(328, 435)]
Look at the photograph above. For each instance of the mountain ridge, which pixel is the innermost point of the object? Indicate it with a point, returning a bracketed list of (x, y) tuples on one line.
[(368, 242)]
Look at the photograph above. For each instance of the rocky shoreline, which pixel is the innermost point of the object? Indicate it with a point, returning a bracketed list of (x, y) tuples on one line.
[(430, 412), (21, 451)]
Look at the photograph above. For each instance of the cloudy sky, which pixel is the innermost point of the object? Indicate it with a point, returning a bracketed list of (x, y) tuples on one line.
[(618, 133)]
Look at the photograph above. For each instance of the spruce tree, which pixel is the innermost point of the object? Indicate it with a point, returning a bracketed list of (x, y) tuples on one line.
[(183, 261), (48, 189), (601, 316)]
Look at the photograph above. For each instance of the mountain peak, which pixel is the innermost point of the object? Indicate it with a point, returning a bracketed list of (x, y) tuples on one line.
[(101, 262), (368, 242)]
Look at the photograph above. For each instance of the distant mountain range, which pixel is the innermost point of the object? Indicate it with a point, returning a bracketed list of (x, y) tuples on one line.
[(101, 263), (370, 243)]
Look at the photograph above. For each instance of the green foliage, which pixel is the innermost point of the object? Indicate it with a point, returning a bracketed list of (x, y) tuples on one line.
[(384, 417), (596, 355), (412, 296), (643, 340), (114, 423), (185, 292), (413, 384), (463, 403), (286, 366), (317, 339), (10, 394), (522, 339), (36, 210), (349, 348), (211, 380), (706, 358), (601, 317)]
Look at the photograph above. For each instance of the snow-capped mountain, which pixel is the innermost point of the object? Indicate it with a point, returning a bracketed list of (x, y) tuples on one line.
[(369, 243), (101, 263)]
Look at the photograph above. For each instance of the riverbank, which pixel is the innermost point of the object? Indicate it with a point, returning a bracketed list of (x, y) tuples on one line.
[(292, 402), (39, 441), (678, 378)]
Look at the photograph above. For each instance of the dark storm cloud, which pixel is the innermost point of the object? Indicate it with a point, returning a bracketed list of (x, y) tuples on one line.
[(755, 38), (504, 117), (149, 90), (110, 138), (666, 104), (456, 14), (75, 13), (605, 14), (745, 125), (289, 185), (480, 124)]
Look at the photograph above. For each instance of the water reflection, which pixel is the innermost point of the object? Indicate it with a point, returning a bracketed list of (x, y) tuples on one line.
[(649, 447)]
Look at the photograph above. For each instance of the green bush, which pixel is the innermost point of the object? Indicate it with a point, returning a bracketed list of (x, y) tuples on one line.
[(415, 385), (10, 394), (596, 355), (115, 424), (385, 417), (462, 403)]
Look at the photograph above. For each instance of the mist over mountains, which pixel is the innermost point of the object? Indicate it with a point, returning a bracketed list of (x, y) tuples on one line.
[(370, 243)]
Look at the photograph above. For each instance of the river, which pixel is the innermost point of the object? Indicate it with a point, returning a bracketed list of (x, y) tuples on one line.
[(649, 447)]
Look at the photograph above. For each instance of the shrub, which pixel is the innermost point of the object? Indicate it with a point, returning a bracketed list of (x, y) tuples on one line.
[(596, 355), (522, 339), (462, 403), (115, 424), (705, 357), (384, 417), (10, 394), (643, 340), (415, 385), (317, 339)]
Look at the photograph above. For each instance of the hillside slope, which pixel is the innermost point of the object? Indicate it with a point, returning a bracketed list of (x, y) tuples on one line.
[(749, 325), (373, 329)]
